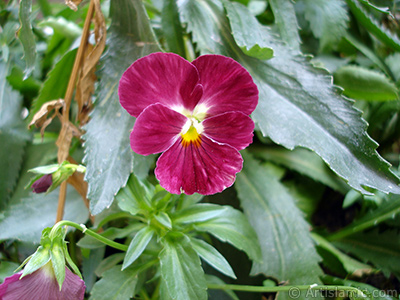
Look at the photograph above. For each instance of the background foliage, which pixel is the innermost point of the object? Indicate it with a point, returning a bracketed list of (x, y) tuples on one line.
[(315, 203)]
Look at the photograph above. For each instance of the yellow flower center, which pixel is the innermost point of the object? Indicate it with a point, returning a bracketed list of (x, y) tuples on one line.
[(192, 135)]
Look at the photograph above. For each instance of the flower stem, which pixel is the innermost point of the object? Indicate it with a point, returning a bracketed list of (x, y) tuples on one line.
[(294, 290), (89, 232)]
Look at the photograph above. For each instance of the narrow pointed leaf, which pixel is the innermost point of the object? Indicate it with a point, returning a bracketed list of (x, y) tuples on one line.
[(107, 152), (287, 248), (369, 23), (138, 245), (199, 213), (212, 256)]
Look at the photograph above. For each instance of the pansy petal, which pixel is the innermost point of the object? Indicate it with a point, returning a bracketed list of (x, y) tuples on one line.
[(227, 86), (205, 168), (164, 78), (232, 128), (156, 129), (42, 285)]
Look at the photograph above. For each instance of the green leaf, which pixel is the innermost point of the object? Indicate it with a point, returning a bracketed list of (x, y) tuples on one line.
[(370, 24), (164, 219), (351, 265), (369, 53), (40, 258), (303, 161), (328, 20), (386, 211), (13, 137), (107, 152), (20, 219), (135, 196), (249, 40), (285, 19), (200, 212), (365, 84), (298, 105), (172, 27), (90, 265), (56, 82), (393, 62), (233, 227), (138, 245), (116, 284), (181, 271), (212, 256), (26, 35), (287, 248), (375, 247)]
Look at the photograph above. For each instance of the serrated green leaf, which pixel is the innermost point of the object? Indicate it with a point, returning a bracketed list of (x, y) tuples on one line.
[(26, 35), (285, 19), (248, 39), (19, 220), (138, 245), (298, 105), (365, 84), (172, 27), (375, 247), (13, 137), (108, 155), (199, 213), (287, 249), (369, 23), (56, 82), (116, 284), (305, 162), (212, 256), (181, 271), (328, 20), (233, 227)]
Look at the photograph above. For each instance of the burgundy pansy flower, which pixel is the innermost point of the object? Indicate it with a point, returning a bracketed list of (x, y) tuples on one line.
[(42, 285), (196, 113)]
